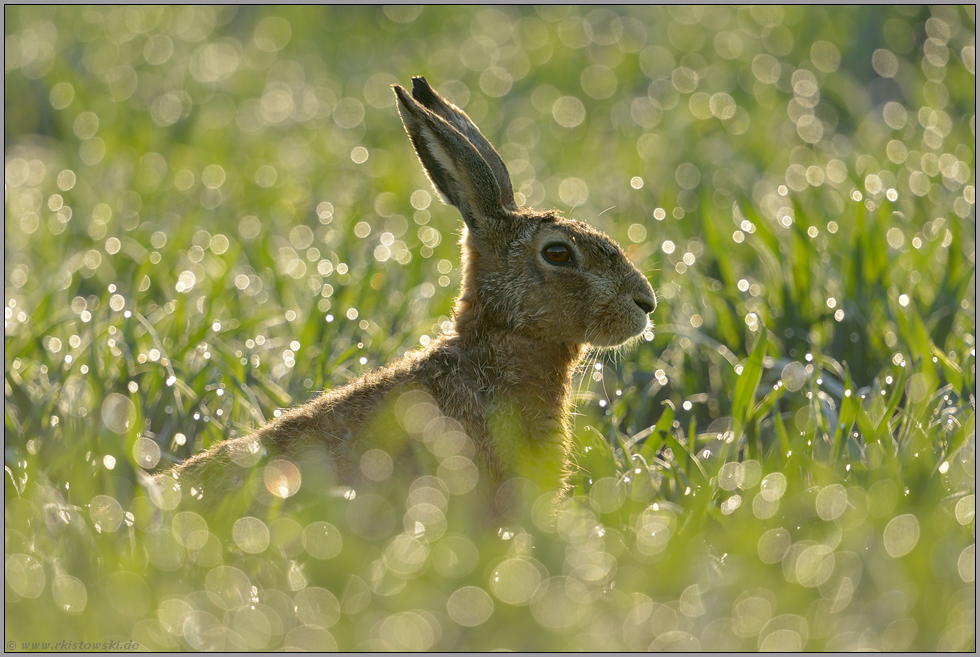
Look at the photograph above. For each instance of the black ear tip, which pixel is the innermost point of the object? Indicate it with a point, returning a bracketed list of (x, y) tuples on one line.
[(400, 92), (421, 89)]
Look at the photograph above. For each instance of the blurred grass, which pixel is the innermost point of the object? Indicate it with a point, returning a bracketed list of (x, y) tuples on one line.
[(211, 213)]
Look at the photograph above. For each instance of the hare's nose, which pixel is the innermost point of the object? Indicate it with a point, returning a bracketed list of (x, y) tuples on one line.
[(646, 304)]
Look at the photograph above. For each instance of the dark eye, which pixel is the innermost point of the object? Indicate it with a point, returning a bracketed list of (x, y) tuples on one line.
[(558, 254)]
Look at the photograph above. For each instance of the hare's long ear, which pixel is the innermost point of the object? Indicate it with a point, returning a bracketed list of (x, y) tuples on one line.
[(455, 166), (427, 96)]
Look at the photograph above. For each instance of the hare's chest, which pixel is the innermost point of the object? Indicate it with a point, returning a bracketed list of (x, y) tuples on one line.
[(528, 445)]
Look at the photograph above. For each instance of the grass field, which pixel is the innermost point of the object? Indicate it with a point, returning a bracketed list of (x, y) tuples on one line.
[(212, 213)]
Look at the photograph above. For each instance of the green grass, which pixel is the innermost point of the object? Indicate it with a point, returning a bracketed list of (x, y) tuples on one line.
[(194, 239)]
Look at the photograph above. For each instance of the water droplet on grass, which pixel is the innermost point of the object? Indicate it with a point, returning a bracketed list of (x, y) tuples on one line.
[(470, 606), (901, 535)]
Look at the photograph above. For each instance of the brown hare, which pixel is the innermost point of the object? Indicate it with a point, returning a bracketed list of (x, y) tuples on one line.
[(537, 290)]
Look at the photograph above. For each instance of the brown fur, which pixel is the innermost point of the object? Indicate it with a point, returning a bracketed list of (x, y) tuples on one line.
[(521, 325)]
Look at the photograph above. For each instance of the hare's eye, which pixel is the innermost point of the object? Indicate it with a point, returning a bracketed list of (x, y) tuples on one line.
[(558, 254)]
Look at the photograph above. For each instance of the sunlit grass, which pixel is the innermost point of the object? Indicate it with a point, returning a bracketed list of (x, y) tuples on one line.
[(210, 214)]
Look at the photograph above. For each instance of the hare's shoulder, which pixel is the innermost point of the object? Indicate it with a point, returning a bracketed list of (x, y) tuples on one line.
[(342, 410), (337, 414)]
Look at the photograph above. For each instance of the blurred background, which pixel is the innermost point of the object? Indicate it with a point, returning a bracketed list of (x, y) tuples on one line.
[(212, 212)]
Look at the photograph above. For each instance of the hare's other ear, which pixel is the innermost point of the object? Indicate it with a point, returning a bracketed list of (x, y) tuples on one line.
[(427, 96), (455, 166)]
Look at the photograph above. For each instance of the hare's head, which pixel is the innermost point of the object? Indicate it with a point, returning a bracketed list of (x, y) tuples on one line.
[(531, 273)]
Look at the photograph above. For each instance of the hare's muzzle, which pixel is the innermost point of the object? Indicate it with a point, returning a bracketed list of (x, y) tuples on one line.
[(642, 292), (644, 299), (646, 303)]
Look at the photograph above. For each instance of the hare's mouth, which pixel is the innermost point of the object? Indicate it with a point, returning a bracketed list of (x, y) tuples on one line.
[(619, 321), (615, 334)]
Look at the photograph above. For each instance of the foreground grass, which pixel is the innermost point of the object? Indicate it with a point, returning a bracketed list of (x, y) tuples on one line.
[(788, 463)]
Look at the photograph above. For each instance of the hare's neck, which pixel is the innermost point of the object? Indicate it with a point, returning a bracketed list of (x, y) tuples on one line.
[(532, 374), (526, 385)]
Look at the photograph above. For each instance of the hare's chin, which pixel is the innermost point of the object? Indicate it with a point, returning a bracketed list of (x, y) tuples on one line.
[(609, 340)]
